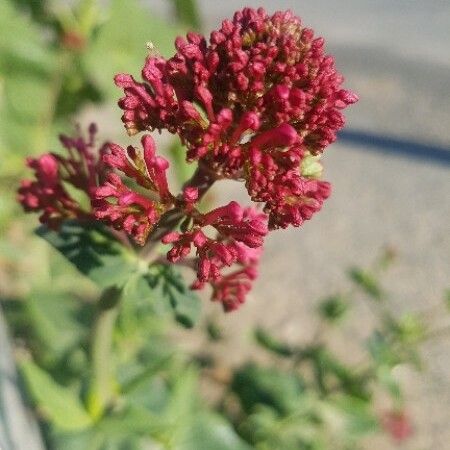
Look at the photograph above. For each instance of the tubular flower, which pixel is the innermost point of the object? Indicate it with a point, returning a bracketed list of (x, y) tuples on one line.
[(240, 235), (232, 288), (125, 208), (249, 103), (47, 194)]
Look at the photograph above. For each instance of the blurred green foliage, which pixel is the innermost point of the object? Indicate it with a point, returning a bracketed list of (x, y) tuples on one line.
[(304, 397), (58, 57)]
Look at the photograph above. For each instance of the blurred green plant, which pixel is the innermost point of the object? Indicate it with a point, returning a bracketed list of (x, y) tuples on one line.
[(57, 58), (146, 391)]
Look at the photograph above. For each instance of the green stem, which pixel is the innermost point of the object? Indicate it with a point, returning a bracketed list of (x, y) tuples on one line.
[(102, 382)]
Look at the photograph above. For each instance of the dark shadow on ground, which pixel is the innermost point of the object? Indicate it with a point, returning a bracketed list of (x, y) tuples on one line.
[(394, 146)]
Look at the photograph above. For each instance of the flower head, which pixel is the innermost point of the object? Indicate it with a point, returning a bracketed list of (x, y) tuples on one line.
[(257, 102), (238, 243), (249, 103), (125, 208), (232, 288), (81, 167)]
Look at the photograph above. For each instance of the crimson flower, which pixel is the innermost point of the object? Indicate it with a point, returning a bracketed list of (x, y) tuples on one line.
[(249, 103), (125, 208), (238, 244), (258, 102), (82, 168)]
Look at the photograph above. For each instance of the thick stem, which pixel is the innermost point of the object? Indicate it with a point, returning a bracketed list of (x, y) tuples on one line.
[(102, 381)]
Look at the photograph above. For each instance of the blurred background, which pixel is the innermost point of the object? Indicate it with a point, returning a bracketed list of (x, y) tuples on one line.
[(390, 169)]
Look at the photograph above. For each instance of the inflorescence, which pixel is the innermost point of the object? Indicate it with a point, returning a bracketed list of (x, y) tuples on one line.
[(258, 103)]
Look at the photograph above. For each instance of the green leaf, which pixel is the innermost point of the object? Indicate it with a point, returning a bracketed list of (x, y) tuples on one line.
[(141, 295), (148, 390), (208, 431), (332, 309), (132, 420), (272, 344), (213, 331), (18, 92), (27, 63), (177, 407), (183, 170), (184, 401), (171, 287), (359, 419), (97, 254), (202, 430), (381, 350), (52, 318), (120, 44), (94, 252), (387, 379), (178, 420), (266, 386), (59, 404), (189, 425), (187, 12), (37, 10), (98, 438), (21, 134), (76, 90), (366, 282), (326, 364), (23, 45), (76, 440), (302, 429), (164, 291), (410, 329)]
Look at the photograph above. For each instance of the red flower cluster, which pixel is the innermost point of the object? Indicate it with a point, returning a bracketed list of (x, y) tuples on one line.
[(82, 169), (258, 102), (251, 103), (240, 233), (125, 208)]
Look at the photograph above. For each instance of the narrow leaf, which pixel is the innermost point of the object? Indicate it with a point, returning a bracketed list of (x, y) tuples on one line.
[(274, 345), (256, 386), (333, 308), (185, 303), (60, 405), (366, 282)]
